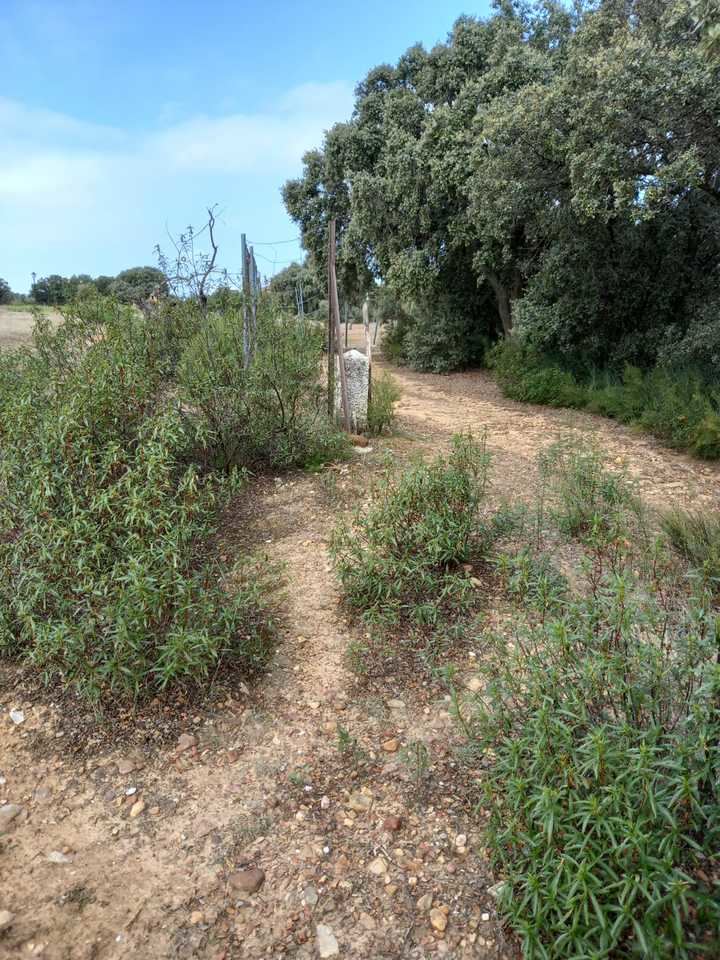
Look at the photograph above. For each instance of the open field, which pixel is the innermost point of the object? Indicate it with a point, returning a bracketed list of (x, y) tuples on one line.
[(140, 835), (16, 323)]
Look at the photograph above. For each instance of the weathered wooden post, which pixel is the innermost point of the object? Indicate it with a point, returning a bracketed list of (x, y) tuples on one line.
[(246, 299), (368, 342), (334, 308)]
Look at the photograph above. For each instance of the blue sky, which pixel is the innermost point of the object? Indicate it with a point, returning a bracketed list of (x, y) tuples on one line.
[(120, 120)]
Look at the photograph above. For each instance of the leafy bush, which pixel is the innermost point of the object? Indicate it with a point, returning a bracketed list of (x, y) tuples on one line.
[(402, 559), (696, 536), (384, 394), (680, 407), (524, 376), (103, 580), (112, 431), (270, 411), (591, 502), (600, 714)]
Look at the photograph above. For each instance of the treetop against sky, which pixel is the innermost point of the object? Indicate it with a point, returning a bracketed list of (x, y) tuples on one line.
[(118, 121)]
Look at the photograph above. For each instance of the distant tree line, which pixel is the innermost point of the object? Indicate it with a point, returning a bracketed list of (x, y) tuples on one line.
[(129, 286), (549, 174)]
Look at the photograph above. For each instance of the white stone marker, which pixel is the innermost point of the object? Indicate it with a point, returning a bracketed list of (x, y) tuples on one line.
[(357, 372)]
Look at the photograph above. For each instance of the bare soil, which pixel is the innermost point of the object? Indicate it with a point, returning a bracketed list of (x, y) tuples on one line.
[(152, 828), (16, 326)]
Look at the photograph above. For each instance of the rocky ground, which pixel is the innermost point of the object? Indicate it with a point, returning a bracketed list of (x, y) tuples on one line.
[(297, 817)]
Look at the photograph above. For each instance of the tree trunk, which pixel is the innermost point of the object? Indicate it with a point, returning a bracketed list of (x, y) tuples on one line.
[(504, 298)]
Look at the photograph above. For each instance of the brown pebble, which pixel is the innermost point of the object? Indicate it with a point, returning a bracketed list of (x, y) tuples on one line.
[(247, 881), (392, 823)]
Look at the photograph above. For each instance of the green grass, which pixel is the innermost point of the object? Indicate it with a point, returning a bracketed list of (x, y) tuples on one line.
[(26, 307)]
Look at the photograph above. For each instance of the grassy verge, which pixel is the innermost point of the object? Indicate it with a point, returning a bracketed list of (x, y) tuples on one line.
[(679, 407)]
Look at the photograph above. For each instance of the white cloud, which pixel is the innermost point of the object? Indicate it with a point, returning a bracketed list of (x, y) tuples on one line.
[(63, 177)]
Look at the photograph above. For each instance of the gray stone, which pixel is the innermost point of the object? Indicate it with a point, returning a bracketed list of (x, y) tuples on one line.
[(327, 944), (357, 372), (247, 881), (8, 812)]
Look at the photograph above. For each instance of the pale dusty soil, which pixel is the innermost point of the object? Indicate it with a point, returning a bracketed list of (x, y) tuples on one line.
[(157, 885), (16, 326)]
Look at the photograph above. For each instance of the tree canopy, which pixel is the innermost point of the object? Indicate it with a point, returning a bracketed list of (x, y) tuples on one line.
[(130, 286), (546, 172)]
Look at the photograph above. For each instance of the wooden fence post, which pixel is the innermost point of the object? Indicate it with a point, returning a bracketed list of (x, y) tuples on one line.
[(330, 347), (368, 342), (246, 299), (335, 314)]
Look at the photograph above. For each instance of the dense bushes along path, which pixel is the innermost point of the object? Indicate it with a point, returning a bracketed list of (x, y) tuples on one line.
[(138, 846)]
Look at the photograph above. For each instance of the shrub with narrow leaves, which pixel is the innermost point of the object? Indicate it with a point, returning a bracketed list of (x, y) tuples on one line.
[(403, 558), (104, 581)]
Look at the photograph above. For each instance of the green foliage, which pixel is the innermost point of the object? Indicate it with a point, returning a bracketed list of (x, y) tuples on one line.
[(679, 406), (437, 338), (270, 411), (600, 719), (525, 376), (551, 169), (696, 536), (138, 284), (6, 294), (103, 578), (384, 395), (297, 284), (122, 435), (707, 24), (130, 286), (591, 502), (402, 559)]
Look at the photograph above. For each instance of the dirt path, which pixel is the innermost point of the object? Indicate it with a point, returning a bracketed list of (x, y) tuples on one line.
[(434, 407), (143, 848)]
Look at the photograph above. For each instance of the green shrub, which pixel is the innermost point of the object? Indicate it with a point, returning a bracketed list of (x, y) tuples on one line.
[(267, 412), (696, 537), (601, 727), (112, 429), (525, 376), (384, 394), (622, 400), (706, 437), (403, 558), (679, 407), (590, 501)]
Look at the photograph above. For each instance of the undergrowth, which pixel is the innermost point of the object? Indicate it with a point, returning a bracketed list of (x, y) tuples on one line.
[(680, 407), (384, 394), (122, 436), (402, 560), (597, 714), (695, 535)]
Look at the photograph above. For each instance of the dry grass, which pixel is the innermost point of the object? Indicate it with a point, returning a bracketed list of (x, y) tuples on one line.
[(16, 325)]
